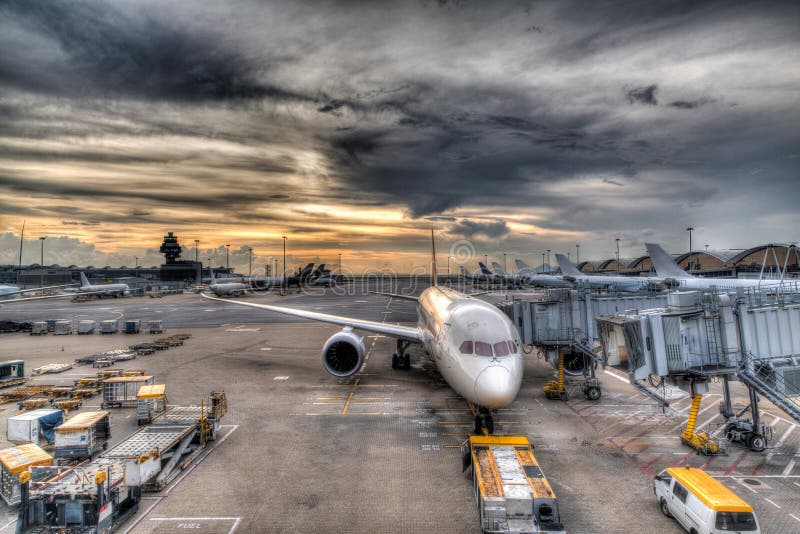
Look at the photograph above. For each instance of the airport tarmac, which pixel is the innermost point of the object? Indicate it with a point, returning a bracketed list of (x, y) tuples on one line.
[(301, 451)]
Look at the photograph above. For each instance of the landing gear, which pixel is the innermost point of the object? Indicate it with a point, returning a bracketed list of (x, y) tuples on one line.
[(483, 420), (401, 360)]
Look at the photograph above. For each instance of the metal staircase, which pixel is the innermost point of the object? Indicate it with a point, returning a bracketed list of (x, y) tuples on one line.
[(773, 387)]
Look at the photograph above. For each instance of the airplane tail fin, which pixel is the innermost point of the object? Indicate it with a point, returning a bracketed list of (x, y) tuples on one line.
[(433, 260), (484, 269), (463, 270), (664, 264), (84, 280), (499, 270), (213, 278), (566, 266), (521, 265)]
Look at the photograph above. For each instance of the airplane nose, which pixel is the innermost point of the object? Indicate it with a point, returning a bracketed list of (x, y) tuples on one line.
[(495, 387)]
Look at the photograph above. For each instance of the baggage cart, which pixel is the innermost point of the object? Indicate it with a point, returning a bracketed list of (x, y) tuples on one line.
[(150, 402), (35, 426), (38, 328), (109, 326), (62, 327), (121, 391), (133, 326), (14, 461), (82, 436), (155, 326), (87, 326)]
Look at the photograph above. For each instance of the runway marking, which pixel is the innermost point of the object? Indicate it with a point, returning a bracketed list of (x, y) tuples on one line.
[(281, 378), (794, 517), (615, 375), (14, 521), (187, 520), (772, 503), (217, 443)]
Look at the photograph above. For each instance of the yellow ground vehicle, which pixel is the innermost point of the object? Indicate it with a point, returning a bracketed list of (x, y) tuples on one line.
[(702, 504), (512, 493)]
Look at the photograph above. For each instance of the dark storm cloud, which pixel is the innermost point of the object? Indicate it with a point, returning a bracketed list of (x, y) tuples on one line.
[(643, 95), (524, 108), (489, 229)]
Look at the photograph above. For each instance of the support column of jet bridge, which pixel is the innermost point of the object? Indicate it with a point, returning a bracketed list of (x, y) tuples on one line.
[(554, 389), (702, 442)]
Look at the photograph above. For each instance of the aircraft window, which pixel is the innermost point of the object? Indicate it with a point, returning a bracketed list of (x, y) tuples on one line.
[(512, 347), (483, 349), (466, 347), (501, 349)]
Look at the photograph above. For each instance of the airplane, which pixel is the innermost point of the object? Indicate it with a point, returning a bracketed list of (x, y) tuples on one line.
[(490, 276), (623, 283), (665, 266), (234, 289), (539, 279), (114, 290), (466, 276), (476, 347)]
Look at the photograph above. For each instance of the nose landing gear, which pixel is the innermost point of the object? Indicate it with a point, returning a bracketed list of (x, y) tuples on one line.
[(483, 423), (401, 360)]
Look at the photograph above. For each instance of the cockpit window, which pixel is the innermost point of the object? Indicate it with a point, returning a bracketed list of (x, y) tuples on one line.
[(512, 347), (466, 347), (501, 349), (483, 349)]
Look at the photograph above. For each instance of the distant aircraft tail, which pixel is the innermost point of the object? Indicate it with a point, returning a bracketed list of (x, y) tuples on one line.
[(84, 280), (484, 269), (463, 270), (521, 266), (433, 260), (664, 264), (213, 278), (499, 270), (566, 266)]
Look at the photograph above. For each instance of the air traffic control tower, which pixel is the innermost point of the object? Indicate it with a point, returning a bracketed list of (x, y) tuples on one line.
[(174, 270)]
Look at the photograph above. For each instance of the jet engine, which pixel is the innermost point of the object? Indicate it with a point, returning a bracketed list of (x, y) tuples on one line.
[(343, 353)]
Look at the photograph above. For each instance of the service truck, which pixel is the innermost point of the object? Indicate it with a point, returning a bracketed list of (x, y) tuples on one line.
[(512, 493)]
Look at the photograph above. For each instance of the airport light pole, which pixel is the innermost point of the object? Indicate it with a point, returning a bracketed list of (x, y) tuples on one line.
[(690, 230), (548, 261), (283, 281), (340, 263), (227, 258), (617, 240), (577, 254), (448, 265), (136, 266), (542, 261), (505, 262), (250, 262), (707, 248), (486, 260), (41, 263), (196, 251)]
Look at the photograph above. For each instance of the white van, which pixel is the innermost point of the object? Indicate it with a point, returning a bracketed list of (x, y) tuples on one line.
[(702, 504)]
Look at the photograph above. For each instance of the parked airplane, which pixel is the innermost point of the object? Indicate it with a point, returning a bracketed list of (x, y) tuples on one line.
[(114, 290), (466, 276), (669, 269), (234, 289), (622, 283), (490, 276), (476, 348), (542, 280), (7, 291)]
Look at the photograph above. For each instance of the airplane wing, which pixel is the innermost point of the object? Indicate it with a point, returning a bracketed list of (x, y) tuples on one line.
[(23, 291), (396, 296), (403, 332), (69, 295)]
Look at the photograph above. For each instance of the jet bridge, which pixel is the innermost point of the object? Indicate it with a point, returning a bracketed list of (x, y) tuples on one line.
[(747, 335), (561, 322)]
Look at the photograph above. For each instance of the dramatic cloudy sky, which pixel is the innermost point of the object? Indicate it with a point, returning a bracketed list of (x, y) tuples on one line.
[(354, 126)]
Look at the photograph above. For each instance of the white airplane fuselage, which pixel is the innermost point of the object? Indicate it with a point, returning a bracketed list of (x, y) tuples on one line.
[(729, 283), (453, 326), (109, 289), (229, 288)]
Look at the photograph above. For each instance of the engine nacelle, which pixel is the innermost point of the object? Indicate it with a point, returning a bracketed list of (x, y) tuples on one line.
[(343, 353)]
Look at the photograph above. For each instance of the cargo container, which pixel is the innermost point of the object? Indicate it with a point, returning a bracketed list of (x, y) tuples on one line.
[(133, 326), (12, 370), (109, 326), (62, 327), (87, 326), (82, 436), (122, 390), (155, 326), (511, 492), (14, 461), (35, 426), (38, 328), (150, 402), (51, 324)]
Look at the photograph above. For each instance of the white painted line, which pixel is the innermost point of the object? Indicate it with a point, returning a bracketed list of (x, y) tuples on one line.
[(778, 445), (772, 503), (139, 520), (14, 521), (615, 375), (281, 378), (236, 520), (794, 517)]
